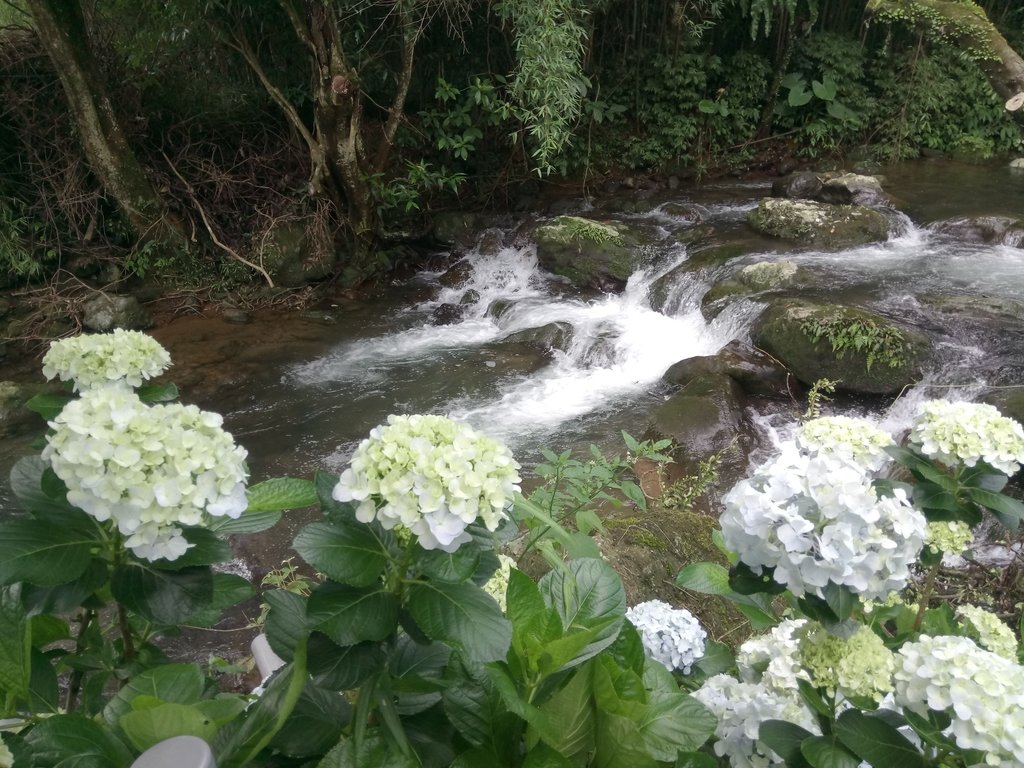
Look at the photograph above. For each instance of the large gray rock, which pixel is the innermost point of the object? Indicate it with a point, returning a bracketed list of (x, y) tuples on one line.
[(832, 187), (757, 373), (991, 230), (105, 312), (15, 418), (863, 351), (591, 254), (823, 225), (751, 279)]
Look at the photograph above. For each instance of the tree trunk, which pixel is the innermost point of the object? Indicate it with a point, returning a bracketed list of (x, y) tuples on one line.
[(62, 29), (965, 25)]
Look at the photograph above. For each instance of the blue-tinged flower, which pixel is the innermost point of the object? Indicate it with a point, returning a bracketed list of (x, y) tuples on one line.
[(672, 636)]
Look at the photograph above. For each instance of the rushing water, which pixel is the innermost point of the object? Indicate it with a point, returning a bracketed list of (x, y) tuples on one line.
[(537, 363)]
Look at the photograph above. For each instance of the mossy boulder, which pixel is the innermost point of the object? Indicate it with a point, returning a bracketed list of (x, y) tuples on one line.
[(863, 351), (991, 230), (591, 254), (292, 258), (756, 372), (823, 225), (105, 312), (15, 418), (835, 187), (751, 279)]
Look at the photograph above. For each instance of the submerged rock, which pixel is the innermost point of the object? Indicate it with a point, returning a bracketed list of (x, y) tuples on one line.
[(757, 373), (556, 335), (862, 351), (832, 187), (991, 230), (591, 254), (447, 314), (823, 225)]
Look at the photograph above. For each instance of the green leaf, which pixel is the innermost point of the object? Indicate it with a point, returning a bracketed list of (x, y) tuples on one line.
[(707, 106), (315, 724), (247, 522), (27, 484), (463, 616), (695, 760), (286, 625), (43, 692), (827, 752), (572, 708), (451, 567), (785, 739), (743, 580), (416, 672), (813, 699), (799, 96), (349, 553), (841, 600), (875, 741), (674, 721), (373, 752), (793, 80), (706, 578), (48, 405), (587, 592), (163, 597), (717, 659), (168, 683), (1008, 511), (348, 615), (824, 89), (281, 493), (475, 708), (620, 744), (43, 554), (15, 645), (206, 548), (229, 590), (921, 467), (146, 727), (543, 756), (338, 668), (158, 393), (932, 728), (48, 629), (74, 740)]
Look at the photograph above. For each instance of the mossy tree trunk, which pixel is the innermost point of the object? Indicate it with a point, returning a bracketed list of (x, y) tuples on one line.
[(965, 25), (62, 29)]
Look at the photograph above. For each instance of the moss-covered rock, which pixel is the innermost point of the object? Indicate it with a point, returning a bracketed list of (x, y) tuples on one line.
[(863, 351), (822, 225), (591, 254), (751, 279), (292, 259), (837, 187), (15, 418)]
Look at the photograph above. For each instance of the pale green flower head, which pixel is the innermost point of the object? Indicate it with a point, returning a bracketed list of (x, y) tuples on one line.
[(952, 433), (432, 475), (850, 438), (990, 632), (121, 358), (950, 536), (149, 469), (858, 666), (773, 658), (497, 585)]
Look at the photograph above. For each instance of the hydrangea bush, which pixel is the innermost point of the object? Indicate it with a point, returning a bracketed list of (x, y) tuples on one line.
[(123, 359), (894, 681)]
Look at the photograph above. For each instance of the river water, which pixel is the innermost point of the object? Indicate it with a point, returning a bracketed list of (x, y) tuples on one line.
[(538, 364)]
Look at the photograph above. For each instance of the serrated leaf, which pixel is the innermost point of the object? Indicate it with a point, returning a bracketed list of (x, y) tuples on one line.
[(163, 597), (42, 554), (158, 393), (585, 593), (841, 600), (1008, 511), (314, 725), (827, 752), (349, 553), (932, 728), (450, 567), (463, 616), (286, 625), (48, 405), (281, 493), (169, 683), (27, 485), (75, 740), (349, 615), (342, 668), (15, 645), (785, 739), (706, 578), (247, 522), (674, 721), (876, 741)]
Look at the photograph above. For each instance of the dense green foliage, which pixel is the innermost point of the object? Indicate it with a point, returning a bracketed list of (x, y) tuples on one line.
[(230, 108)]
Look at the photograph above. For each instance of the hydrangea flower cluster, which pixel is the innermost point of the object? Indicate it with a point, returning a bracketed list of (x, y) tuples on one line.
[(860, 665), (856, 440), (773, 658), (432, 475), (672, 636), (497, 585), (953, 432), (741, 708), (983, 692), (6, 758), (816, 519), (989, 631), (150, 469), (950, 536), (121, 358)]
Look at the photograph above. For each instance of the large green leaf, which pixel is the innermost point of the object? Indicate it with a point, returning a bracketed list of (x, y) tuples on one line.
[(339, 668), (584, 594), (1008, 511), (65, 597), (543, 756), (451, 567), (229, 589), (931, 728), (572, 708), (785, 739), (620, 744), (163, 597), (824, 89), (841, 600), (281, 493), (15, 646), (48, 405), (463, 616), (706, 578), (876, 741), (315, 724), (373, 751), (349, 553), (348, 615), (149, 726), (474, 706), (169, 683), (158, 393), (286, 623), (75, 740), (206, 548), (416, 674), (827, 752), (43, 691), (27, 483), (921, 467), (675, 722), (43, 554), (247, 522)]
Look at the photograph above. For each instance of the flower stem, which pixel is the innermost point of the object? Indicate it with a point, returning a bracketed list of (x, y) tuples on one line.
[(75, 682), (926, 594)]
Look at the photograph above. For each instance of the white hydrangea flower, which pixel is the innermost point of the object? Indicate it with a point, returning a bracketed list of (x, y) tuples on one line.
[(150, 469), (672, 636), (432, 475), (859, 665), (6, 758), (772, 658), (741, 708), (817, 519), (952, 537), (497, 585), (121, 358), (856, 440), (989, 630), (983, 692), (954, 432)]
